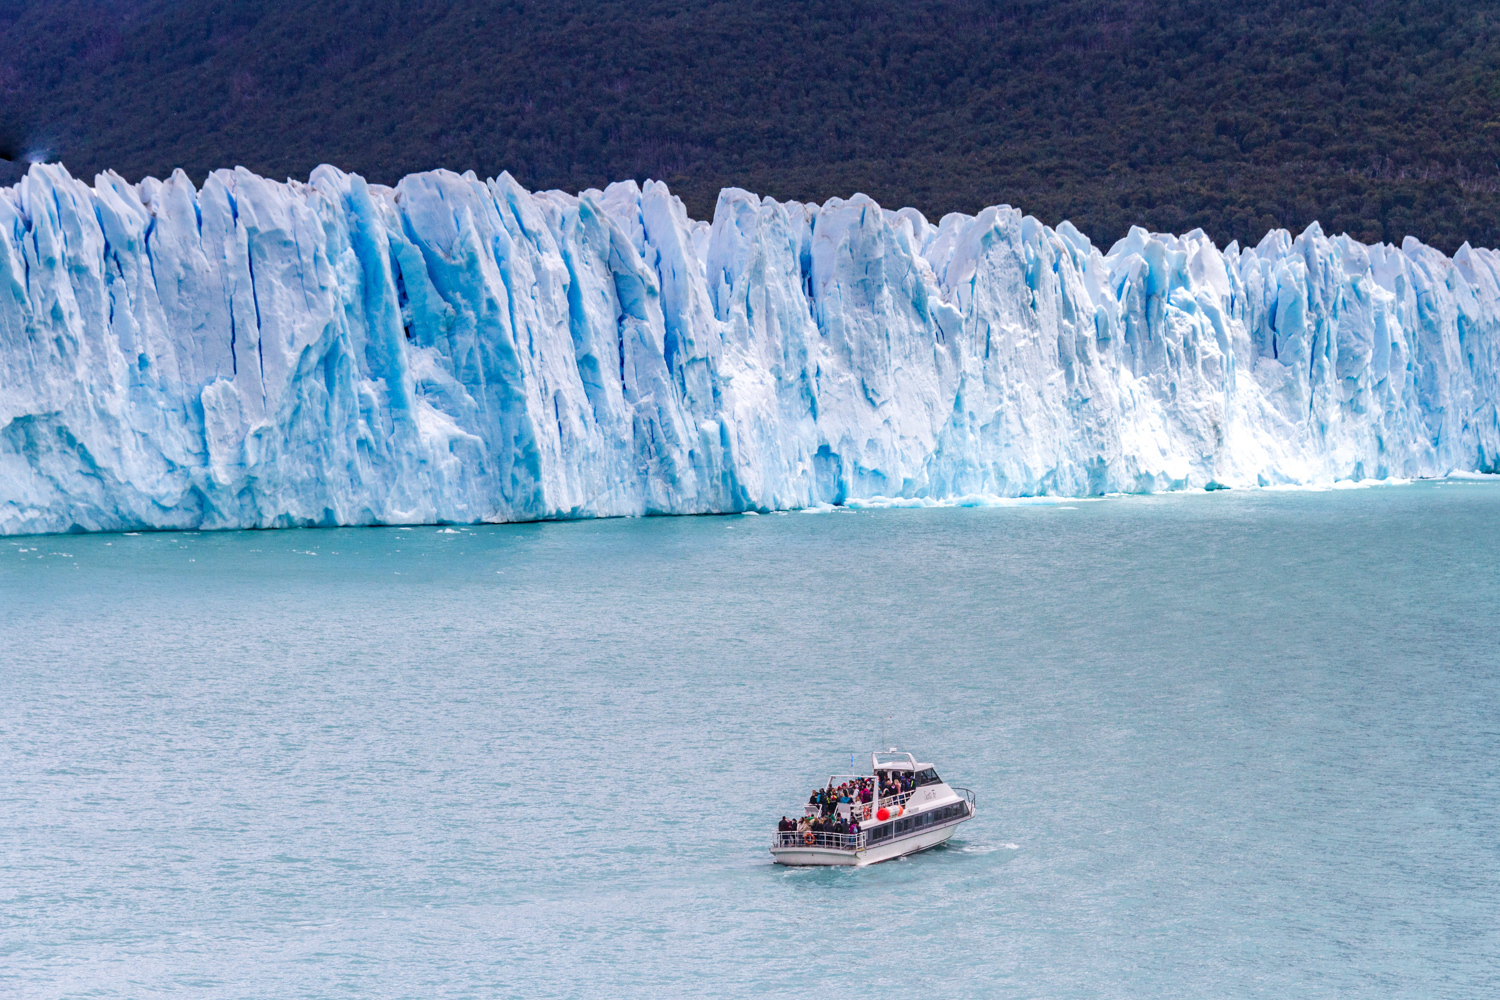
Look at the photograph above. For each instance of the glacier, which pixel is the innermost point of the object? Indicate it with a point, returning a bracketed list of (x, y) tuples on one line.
[(335, 352)]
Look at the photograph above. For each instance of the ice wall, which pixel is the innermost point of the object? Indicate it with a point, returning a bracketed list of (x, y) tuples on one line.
[(336, 352)]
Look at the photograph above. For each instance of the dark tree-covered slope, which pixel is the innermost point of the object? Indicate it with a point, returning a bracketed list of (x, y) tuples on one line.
[(1375, 117)]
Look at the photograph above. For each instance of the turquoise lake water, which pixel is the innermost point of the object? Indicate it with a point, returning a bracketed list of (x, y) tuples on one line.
[(1238, 744)]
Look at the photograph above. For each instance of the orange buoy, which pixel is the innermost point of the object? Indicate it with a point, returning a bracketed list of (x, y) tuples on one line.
[(883, 814), (808, 838)]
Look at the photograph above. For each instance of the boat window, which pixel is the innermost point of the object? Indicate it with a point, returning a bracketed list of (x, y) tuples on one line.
[(943, 814), (928, 777)]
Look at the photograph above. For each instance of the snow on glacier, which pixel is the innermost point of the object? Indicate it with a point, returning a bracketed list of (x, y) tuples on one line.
[(455, 350)]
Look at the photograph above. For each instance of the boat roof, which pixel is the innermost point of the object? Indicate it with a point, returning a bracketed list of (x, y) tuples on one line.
[(898, 760)]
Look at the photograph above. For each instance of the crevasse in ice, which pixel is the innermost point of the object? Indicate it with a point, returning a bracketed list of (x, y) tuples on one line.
[(452, 349)]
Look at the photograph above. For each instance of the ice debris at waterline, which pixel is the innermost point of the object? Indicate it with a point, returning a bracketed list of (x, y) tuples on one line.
[(451, 349)]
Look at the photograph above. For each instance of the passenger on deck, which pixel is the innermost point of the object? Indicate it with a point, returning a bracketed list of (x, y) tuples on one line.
[(825, 817)]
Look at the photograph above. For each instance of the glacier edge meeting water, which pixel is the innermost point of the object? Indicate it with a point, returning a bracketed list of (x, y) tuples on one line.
[(261, 354)]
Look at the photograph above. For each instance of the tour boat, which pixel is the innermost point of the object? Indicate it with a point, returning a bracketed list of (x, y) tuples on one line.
[(890, 826)]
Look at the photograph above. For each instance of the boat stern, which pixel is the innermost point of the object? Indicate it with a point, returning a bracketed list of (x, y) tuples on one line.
[(812, 856)]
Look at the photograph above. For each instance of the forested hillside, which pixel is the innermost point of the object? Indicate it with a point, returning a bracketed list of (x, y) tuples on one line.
[(1376, 117)]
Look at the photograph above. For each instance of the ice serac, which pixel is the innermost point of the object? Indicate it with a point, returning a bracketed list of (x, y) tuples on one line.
[(336, 352)]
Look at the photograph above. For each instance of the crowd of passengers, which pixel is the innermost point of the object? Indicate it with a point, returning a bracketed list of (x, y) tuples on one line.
[(856, 791), (819, 824)]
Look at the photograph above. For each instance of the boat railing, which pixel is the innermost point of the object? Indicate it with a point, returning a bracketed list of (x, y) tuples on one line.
[(968, 795), (894, 801), (862, 811), (827, 841)]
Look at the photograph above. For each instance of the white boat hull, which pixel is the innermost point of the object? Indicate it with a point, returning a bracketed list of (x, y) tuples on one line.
[(886, 851)]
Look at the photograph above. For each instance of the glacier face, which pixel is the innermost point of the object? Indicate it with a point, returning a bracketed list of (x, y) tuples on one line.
[(451, 349)]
